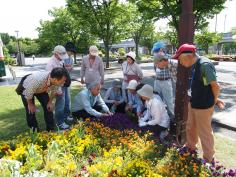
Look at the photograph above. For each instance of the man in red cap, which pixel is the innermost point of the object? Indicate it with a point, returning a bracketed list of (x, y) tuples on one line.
[(204, 92)]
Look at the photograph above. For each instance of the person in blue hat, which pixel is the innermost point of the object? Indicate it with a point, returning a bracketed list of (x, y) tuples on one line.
[(165, 69), (158, 47)]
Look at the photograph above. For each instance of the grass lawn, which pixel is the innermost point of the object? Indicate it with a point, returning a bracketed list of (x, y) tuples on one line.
[(12, 123), (12, 113)]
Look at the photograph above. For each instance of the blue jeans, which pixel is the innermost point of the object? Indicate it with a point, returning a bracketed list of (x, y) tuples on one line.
[(62, 106)]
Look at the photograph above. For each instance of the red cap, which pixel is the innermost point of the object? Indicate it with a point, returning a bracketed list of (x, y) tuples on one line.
[(184, 49)]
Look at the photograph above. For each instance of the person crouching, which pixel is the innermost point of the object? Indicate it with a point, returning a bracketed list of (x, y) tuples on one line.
[(134, 102), (155, 117), (114, 98), (88, 103)]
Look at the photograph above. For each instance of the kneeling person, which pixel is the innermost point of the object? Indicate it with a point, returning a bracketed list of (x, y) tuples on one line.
[(155, 118), (89, 103), (114, 98)]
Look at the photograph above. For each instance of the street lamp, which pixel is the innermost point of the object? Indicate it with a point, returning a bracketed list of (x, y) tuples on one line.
[(19, 52)]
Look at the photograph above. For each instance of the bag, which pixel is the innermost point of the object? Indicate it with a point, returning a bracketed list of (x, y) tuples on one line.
[(19, 89), (132, 77)]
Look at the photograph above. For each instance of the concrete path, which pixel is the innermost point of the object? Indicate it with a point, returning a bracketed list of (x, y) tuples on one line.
[(226, 75)]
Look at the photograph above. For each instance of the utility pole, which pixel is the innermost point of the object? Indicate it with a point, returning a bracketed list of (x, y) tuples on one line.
[(216, 24), (18, 46), (225, 22), (185, 35)]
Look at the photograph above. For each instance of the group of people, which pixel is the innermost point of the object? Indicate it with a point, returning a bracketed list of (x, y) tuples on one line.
[(152, 105)]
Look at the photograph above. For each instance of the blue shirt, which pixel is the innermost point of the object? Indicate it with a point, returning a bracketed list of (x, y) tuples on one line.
[(84, 100), (135, 101)]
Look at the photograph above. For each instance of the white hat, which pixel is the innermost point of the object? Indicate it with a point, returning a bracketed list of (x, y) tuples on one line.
[(132, 84), (93, 50), (59, 49), (146, 91), (131, 55)]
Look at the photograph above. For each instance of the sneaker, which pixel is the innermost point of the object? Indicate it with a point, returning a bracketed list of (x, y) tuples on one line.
[(70, 118), (64, 126)]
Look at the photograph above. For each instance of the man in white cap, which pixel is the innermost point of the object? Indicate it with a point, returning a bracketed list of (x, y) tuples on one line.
[(57, 60), (89, 103), (155, 117), (92, 68)]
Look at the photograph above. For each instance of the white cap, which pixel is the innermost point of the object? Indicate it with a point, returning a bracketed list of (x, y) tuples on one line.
[(59, 49), (131, 55), (132, 84), (146, 91), (93, 50)]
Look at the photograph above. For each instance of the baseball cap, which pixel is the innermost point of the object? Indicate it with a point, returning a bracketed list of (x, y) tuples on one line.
[(59, 49), (93, 50), (185, 48)]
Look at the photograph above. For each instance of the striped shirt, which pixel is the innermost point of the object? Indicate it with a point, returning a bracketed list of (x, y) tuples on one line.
[(38, 83)]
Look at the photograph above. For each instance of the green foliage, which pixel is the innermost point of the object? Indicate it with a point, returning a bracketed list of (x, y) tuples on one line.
[(203, 10), (121, 51), (61, 29), (7, 58), (206, 39), (150, 38), (5, 38), (105, 19)]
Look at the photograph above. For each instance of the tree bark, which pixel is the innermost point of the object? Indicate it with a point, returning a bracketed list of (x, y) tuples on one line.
[(185, 35), (106, 44)]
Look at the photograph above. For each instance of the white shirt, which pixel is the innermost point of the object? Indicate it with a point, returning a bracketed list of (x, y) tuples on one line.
[(156, 113), (54, 63)]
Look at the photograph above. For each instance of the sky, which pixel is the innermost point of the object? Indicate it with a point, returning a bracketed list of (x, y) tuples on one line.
[(24, 16)]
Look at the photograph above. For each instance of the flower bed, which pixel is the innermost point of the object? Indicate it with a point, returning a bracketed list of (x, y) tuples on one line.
[(92, 149)]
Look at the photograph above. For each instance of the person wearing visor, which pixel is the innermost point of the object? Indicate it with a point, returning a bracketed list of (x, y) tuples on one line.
[(57, 60), (204, 93), (165, 72), (131, 71), (92, 68)]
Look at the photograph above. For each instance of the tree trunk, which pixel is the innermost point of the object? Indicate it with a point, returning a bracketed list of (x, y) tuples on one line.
[(106, 44), (136, 41), (185, 35)]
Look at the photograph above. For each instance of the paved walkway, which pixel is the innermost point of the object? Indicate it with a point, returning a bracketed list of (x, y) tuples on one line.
[(226, 73)]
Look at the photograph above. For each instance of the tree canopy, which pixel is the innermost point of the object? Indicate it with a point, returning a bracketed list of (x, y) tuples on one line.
[(171, 9)]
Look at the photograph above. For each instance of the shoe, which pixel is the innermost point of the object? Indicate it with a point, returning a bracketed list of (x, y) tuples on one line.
[(70, 118), (64, 126), (164, 134)]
